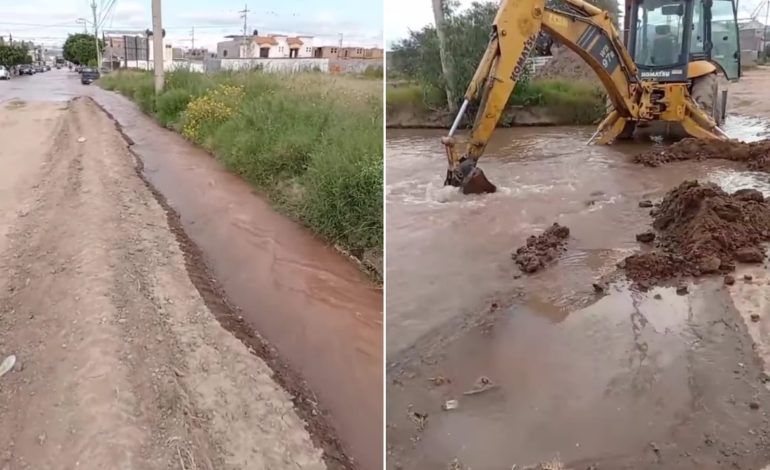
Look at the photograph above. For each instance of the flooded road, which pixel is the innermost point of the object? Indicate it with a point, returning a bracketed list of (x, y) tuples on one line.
[(321, 314), (571, 370), (313, 305), (448, 253)]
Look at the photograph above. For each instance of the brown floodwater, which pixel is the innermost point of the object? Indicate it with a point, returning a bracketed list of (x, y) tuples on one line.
[(312, 304), (447, 253), (625, 381)]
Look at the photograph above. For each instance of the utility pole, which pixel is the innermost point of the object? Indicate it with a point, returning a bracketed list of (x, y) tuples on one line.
[(157, 45), (96, 35), (193, 38), (764, 32), (245, 15), (339, 49)]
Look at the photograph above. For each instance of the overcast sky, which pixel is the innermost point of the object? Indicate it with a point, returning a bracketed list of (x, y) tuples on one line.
[(403, 15), (49, 21)]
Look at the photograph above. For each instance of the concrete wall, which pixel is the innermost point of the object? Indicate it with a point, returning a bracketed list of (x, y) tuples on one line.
[(193, 66), (272, 65), (232, 47), (353, 65)]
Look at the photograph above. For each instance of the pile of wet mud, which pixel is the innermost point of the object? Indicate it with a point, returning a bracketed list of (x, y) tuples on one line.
[(542, 249), (700, 229), (756, 155)]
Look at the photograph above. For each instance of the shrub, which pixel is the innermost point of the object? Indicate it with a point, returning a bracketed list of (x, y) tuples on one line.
[(312, 143), (170, 105), (211, 109)]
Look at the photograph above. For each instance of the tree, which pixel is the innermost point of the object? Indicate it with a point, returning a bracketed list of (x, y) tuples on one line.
[(80, 48), (11, 55), (418, 56), (439, 10)]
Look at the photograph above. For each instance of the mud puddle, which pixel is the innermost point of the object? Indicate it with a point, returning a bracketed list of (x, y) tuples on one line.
[(632, 380), (564, 358), (319, 312)]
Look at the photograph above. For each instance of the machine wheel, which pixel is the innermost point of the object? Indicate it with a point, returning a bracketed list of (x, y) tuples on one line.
[(705, 92)]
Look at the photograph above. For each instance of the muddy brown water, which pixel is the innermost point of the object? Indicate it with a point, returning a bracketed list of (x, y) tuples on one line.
[(592, 380), (312, 304)]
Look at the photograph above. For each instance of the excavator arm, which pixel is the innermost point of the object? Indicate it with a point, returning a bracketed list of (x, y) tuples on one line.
[(583, 28)]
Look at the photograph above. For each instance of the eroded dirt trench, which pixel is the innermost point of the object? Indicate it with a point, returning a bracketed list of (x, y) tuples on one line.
[(120, 362), (622, 379)]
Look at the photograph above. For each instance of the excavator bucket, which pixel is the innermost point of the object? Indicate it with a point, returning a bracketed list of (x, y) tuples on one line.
[(465, 174), (477, 183)]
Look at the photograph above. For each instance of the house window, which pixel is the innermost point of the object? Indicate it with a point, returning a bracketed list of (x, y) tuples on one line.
[(308, 50), (334, 50), (264, 52), (224, 53)]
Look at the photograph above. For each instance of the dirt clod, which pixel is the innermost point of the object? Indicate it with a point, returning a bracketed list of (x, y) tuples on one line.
[(754, 317), (542, 249), (729, 280), (748, 277), (645, 203), (754, 405), (681, 290), (645, 237), (701, 229)]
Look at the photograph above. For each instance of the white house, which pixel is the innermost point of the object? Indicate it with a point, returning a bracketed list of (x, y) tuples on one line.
[(270, 46)]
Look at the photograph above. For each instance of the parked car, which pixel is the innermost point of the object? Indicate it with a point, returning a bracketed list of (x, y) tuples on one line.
[(5, 74), (47, 68), (26, 70), (89, 75)]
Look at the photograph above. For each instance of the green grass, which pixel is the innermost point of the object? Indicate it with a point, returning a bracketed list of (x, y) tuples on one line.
[(414, 97), (310, 142), (571, 101)]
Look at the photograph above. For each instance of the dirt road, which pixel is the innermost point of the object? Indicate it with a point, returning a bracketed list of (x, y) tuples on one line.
[(120, 363)]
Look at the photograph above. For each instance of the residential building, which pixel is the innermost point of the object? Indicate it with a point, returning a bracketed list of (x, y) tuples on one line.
[(134, 50), (269, 46), (355, 52), (751, 36), (199, 54)]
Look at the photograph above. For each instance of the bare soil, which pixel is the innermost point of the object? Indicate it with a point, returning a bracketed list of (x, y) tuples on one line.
[(566, 64), (541, 250), (121, 363), (755, 155), (702, 230)]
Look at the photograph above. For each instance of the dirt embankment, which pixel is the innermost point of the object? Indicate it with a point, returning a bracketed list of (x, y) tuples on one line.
[(120, 363), (415, 118), (756, 155), (566, 64), (701, 230)]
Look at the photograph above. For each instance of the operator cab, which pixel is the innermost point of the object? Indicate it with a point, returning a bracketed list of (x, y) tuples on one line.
[(666, 35)]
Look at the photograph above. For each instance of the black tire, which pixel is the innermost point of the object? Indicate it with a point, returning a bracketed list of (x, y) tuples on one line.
[(705, 92)]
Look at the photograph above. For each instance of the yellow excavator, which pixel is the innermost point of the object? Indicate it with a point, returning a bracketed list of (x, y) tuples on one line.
[(664, 71)]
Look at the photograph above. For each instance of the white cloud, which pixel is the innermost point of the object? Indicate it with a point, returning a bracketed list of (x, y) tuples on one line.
[(25, 21)]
